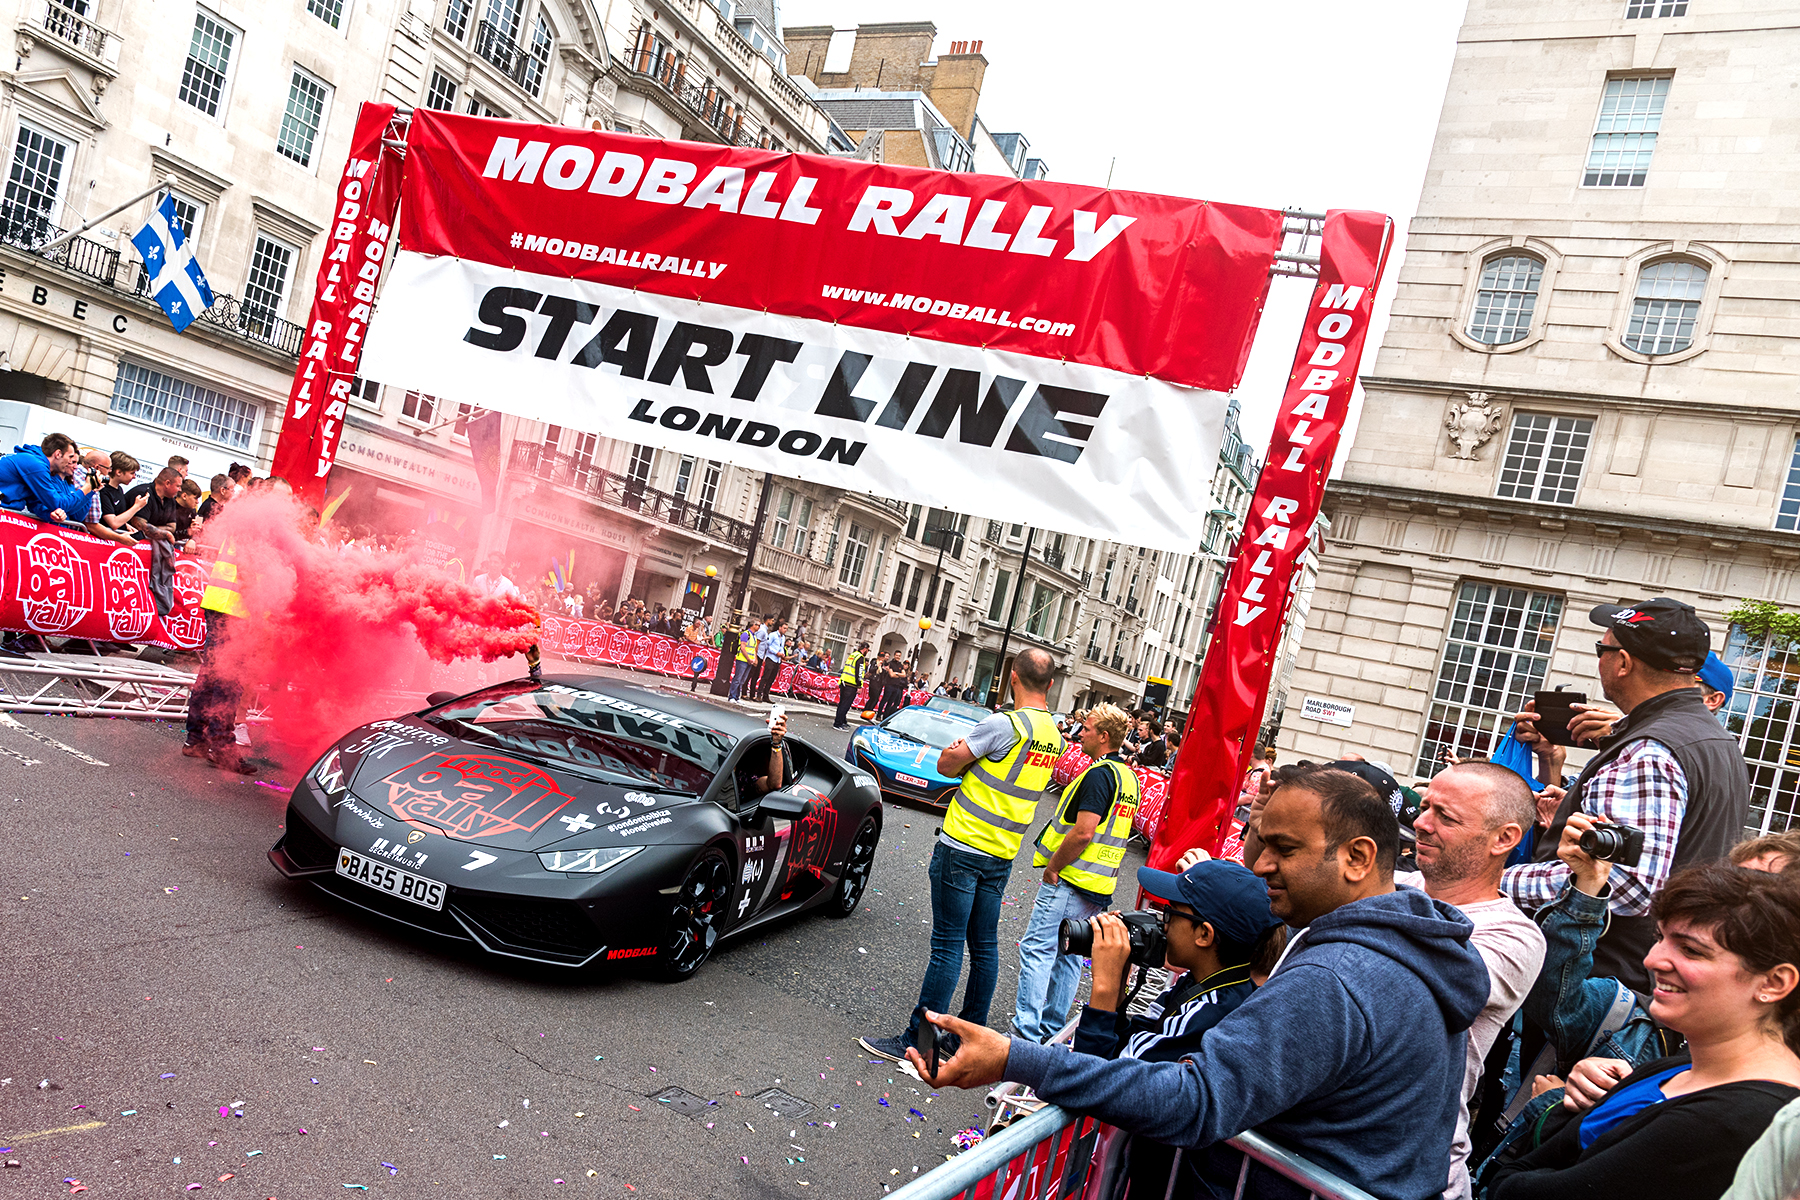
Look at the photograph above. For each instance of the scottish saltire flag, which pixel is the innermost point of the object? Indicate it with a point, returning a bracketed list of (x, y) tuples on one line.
[(175, 278)]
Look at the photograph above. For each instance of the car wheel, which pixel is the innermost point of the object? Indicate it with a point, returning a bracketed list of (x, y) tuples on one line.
[(694, 922), (856, 869)]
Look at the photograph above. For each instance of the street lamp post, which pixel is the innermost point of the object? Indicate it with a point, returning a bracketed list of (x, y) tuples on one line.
[(1012, 612), (721, 684)]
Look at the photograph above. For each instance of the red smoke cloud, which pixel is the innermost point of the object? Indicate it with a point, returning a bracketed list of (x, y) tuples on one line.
[(341, 636)]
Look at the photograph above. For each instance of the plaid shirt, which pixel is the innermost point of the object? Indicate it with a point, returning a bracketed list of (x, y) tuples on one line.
[(1644, 787), (94, 507)]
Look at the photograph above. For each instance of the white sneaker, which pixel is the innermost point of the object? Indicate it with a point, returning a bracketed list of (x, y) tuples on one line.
[(243, 734)]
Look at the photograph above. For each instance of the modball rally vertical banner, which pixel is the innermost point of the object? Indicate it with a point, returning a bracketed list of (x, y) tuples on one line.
[(343, 302), (1234, 682), (865, 326)]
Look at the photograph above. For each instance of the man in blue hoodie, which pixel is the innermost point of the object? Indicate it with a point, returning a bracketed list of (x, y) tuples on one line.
[(35, 479), (1351, 1055)]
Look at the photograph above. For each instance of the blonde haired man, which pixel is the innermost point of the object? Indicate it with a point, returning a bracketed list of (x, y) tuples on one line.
[(1079, 850)]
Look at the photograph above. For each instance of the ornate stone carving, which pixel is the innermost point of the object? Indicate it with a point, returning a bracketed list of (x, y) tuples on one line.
[(1472, 422)]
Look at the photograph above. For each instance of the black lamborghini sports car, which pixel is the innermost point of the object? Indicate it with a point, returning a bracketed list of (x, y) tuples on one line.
[(580, 822)]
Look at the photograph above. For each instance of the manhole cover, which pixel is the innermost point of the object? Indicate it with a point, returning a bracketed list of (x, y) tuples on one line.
[(682, 1101), (785, 1103)]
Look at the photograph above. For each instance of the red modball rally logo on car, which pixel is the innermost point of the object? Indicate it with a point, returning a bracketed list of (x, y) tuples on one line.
[(474, 795)]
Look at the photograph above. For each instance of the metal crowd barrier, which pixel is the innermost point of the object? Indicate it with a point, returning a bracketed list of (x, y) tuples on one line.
[(1020, 1143)]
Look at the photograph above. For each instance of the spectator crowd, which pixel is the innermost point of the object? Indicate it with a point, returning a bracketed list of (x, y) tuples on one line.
[(1517, 982)]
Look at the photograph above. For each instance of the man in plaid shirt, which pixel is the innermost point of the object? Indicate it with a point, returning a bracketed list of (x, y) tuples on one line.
[(1667, 767)]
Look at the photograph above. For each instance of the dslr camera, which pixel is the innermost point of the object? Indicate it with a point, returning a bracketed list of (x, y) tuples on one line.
[(1149, 941), (1621, 844)]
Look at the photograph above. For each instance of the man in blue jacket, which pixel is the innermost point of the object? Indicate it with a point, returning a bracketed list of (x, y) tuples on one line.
[(1351, 1055), (36, 479)]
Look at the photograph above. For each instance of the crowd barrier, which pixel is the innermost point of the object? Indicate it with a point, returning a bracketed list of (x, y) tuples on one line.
[(61, 582), (614, 645), (1051, 1155)]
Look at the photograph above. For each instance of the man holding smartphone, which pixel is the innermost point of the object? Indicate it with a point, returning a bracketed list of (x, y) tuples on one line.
[(1666, 767)]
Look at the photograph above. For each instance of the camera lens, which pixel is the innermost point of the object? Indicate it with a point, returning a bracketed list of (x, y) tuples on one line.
[(1075, 936), (1602, 843)]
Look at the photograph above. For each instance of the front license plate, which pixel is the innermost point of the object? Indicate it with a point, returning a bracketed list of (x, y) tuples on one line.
[(428, 893), (912, 779)]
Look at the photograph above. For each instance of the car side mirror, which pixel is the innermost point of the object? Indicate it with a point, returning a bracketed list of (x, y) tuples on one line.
[(437, 698), (782, 804)]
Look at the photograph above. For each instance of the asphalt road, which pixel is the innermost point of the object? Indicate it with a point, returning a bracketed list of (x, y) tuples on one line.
[(200, 1020)]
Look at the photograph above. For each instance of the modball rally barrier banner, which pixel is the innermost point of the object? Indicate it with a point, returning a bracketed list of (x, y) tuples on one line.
[(63, 583), (869, 327), (1234, 681)]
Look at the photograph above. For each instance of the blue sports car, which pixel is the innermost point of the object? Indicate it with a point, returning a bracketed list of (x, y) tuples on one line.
[(902, 751)]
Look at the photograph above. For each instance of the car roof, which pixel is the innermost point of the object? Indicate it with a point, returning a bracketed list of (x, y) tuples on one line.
[(677, 703)]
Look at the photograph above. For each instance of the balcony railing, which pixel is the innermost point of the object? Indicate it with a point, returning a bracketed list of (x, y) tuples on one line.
[(633, 495), (25, 229), (796, 568), (1118, 662), (71, 27), (1093, 653), (508, 57), (1053, 555), (717, 109)]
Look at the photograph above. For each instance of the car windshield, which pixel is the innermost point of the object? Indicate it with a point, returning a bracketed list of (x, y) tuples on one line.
[(591, 733), (928, 725), (974, 712)]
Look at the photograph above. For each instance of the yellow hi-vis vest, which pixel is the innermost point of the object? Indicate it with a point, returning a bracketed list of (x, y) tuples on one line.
[(1096, 869), (853, 668), (221, 594), (747, 646), (993, 809)]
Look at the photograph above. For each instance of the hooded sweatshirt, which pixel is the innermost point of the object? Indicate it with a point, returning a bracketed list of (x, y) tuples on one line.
[(1351, 1055), (26, 482)]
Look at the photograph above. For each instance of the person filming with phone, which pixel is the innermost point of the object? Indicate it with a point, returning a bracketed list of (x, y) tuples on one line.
[(1667, 789)]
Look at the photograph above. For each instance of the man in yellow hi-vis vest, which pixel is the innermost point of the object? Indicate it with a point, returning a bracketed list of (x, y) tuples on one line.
[(1005, 764), (213, 698), (1080, 850), (850, 681)]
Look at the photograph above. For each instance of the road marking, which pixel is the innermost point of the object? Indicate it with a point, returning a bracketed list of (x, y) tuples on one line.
[(30, 762), (44, 1133), (29, 732)]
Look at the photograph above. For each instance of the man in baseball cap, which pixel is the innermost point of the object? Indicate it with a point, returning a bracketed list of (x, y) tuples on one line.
[(1665, 633)]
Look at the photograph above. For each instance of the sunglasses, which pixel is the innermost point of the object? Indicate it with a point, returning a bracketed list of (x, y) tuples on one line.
[(1602, 649)]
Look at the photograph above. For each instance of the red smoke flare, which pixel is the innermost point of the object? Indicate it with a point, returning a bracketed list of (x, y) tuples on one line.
[(337, 637)]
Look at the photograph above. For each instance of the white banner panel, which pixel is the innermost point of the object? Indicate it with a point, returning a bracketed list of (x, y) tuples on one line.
[(1076, 448)]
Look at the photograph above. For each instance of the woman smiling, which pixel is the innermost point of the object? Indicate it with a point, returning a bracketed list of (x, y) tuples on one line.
[(1727, 972)]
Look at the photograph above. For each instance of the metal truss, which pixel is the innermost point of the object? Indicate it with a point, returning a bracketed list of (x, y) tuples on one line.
[(93, 687), (1299, 254)]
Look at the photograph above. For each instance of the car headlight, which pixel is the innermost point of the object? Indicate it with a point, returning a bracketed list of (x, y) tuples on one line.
[(586, 862), (329, 774)]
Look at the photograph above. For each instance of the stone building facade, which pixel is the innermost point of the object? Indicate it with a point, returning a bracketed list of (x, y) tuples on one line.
[(1587, 393)]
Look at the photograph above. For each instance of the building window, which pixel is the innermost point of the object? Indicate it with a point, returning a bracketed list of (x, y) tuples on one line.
[(709, 486), (187, 408), (803, 527), (784, 513), (1630, 114), (419, 407), (943, 613), (459, 426), (837, 640), (537, 65), (684, 476), (1762, 715), (912, 523), (899, 585), (441, 95), (877, 565), (304, 117), (1666, 307), (189, 214), (1636, 9), (34, 186), (365, 393), (1544, 456), (997, 606), (912, 594), (856, 556), (1038, 619), (643, 461), (476, 108), (208, 69), (1495, 657), (329, 11), (456, 18), (1506, 298), (266, 289)]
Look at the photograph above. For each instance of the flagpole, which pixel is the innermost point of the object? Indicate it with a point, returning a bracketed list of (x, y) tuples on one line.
[(168, 181)]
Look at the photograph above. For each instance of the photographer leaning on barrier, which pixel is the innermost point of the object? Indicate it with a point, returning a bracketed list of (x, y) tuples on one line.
[(1668, 771)]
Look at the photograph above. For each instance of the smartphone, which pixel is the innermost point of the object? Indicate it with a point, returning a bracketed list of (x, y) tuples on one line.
[(1554, 710), (928, 1048), (775, 714)]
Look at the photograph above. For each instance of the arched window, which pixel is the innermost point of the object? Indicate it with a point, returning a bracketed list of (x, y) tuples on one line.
[(1666, 307), (1506, 299)]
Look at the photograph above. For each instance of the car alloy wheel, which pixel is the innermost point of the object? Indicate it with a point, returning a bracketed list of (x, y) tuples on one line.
[(856, 869), (694, 921)]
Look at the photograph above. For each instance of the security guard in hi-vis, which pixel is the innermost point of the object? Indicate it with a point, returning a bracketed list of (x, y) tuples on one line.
[(214, 696), (1079, 851), (850, 681), (1005, 765)]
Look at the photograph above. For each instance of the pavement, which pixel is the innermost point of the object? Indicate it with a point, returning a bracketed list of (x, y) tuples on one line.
[(178, 1014)]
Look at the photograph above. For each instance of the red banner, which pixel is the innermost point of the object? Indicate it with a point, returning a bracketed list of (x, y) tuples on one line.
[(1234, 682), (343, 300), (60, 582)]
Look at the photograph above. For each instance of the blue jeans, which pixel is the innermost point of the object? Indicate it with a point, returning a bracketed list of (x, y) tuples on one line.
[(740, 671), (965, 907), (1047, 980), (1567, 1002)]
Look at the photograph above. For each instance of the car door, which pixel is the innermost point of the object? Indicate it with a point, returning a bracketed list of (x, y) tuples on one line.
[(786, 839)]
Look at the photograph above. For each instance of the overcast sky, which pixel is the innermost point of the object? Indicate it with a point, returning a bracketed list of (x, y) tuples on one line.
[(1283, 103)]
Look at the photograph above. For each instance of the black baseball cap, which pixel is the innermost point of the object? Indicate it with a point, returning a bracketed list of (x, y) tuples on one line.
[(1385, 785), (1224, 894), (1664, 633)]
